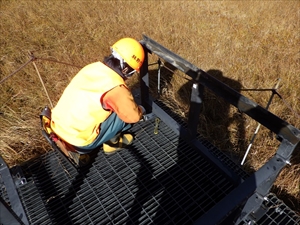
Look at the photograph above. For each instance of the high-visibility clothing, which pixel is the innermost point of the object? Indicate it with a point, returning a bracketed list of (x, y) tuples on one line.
[(79, 112), (121, 101)]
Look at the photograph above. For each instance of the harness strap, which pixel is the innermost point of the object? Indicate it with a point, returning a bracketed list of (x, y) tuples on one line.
[(45, 118)]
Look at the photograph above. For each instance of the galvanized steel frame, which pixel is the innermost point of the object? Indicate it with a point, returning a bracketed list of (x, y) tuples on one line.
[(250, 193), (14, 214)]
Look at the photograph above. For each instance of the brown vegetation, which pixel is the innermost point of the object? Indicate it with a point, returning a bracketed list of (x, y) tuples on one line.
[(247, 44)]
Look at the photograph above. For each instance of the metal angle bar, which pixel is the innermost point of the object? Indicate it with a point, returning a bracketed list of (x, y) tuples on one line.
[(280, 127), (7, 215), (265, 176), (12, 192), (252, 109), (195, 108), (144, 82), (252, 209), (170, 57)]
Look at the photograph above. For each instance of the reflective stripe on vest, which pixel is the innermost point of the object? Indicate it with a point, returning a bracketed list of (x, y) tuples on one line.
[(78, 113)]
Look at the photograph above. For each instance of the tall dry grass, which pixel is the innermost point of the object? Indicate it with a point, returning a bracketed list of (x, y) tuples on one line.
[(247, 44)]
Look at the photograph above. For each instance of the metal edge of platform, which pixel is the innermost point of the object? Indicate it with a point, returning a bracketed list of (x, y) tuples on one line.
[(179, 129)]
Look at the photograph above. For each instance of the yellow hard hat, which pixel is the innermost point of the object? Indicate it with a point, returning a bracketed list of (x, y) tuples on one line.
[(131, 51)]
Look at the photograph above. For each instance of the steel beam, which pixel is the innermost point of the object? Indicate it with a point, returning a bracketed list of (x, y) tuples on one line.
[(252, 191), (12, 193), (252, 109)]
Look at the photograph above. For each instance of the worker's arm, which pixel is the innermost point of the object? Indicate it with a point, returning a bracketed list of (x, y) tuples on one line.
[(121, 101)]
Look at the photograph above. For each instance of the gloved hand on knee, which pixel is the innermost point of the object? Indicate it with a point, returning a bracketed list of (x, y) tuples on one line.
[(146, 116), (143, 110)]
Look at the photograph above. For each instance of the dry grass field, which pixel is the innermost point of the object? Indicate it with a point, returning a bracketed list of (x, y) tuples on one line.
[(246, 44)]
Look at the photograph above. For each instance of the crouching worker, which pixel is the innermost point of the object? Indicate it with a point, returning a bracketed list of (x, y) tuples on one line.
[(97, 108)]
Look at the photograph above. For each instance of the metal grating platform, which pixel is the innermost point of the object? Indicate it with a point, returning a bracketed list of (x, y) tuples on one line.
[(159, 180), (213, 149), (278, 213)]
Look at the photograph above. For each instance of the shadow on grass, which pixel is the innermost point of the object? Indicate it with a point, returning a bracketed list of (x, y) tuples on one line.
[(216, 121)]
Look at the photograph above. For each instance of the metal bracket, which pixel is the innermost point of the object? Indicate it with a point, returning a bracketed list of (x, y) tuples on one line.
[(18, 176), (253, 209), (148, 116), (11, 190), (7, 215)]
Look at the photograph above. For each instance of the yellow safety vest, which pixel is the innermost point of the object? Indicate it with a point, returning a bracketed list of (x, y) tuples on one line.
[(78, 113)]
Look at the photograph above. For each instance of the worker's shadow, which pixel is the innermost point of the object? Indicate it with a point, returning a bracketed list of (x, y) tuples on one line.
[(53, 197), (219, 123)]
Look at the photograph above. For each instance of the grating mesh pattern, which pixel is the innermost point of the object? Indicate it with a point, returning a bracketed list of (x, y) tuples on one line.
[(219, 154), (278, 213), (224, 158), (159, 180)]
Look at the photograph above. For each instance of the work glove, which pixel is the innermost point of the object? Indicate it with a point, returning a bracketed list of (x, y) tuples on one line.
[(143, 112), (145, 116), (142, 109)]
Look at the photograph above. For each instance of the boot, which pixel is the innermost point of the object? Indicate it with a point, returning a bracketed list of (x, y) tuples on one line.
[(79, 159), (117, 143), (70, 152)]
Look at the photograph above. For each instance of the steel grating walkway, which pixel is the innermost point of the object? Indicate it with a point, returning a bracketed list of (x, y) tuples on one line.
[(160, 180)]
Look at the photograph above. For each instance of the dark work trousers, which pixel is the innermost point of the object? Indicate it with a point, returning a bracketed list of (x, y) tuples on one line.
[(112, 126)]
